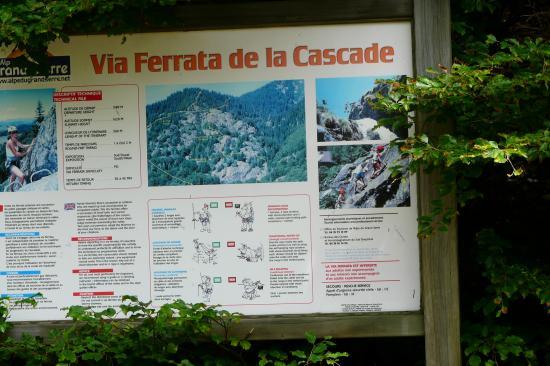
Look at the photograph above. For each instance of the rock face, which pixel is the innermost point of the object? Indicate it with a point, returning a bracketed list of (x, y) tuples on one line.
[(45, 184), (332, 128), (42, 160), (381, 190), (368, 128), (363, 108), (360, 124)]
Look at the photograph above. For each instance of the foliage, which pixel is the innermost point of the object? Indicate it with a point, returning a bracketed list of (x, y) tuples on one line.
[(5, 306), (500, 108), (491, 344), (31, 25), (497, 98), (174, 334), (39, 118), (473, 20), (319, 354), (508, 281)]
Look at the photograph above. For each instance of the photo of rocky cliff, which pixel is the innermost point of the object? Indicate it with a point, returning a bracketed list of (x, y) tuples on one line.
[(226, 133), (32, 113), (344, 112), (360, 176)]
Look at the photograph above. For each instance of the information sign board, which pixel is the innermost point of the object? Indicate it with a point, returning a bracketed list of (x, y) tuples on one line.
[(238, 167)]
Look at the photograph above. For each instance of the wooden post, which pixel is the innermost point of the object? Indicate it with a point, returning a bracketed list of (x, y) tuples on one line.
[(432, 25)]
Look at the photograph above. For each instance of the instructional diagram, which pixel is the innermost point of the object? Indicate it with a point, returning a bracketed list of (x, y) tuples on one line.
[(228, 260), (246, 213), (205, 288), (203, 216), (250, 254), (203, 254)]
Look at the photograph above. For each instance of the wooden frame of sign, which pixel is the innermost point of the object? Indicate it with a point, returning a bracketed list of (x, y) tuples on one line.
[(439, 319)]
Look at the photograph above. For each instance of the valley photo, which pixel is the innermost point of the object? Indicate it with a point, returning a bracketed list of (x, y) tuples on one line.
[(29, 140), (360, 176), (344, 112), (248, 132)]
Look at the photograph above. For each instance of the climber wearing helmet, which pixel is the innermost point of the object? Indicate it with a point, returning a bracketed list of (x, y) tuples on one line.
[(378, 163), (341, 197), (361, 177), (15, 150)]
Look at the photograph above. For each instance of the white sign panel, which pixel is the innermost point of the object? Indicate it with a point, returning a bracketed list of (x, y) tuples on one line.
[(239, 168)]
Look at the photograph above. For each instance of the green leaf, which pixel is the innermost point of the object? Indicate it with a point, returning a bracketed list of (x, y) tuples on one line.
[(299, 354), (491, 39), (245, 344), (185, 363), (314, 358), (310, 337), (88, 356), (172, 348), (109, 312), (319, 348), (67, 355), (474, 360)]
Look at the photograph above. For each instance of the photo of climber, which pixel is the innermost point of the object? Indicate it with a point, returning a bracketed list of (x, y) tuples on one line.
[(360, 176), (28, 130), (344, 112)]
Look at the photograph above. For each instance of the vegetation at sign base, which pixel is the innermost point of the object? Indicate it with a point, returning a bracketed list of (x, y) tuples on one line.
[(174, 334), (496, 97)]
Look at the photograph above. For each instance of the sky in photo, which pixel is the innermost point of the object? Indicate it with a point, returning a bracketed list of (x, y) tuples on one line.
[(156, 93), (21, 104), (336, 92)]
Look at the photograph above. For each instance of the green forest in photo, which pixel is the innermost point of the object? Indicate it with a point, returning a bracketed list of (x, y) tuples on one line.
[(197, 136)]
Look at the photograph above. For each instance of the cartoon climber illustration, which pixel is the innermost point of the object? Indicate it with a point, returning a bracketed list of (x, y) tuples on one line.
[(246, 213), (250, 254), (251, 288), (205, 288), (203, 254), (204, 217)]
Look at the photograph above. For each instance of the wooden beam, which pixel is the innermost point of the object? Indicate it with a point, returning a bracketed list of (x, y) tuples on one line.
[(439, 253), (292, 326), (347, 325), (239, 14)]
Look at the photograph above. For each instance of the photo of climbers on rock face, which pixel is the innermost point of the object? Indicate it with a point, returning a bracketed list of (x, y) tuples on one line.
[(28, 132), (360, 176), (344, 112)]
